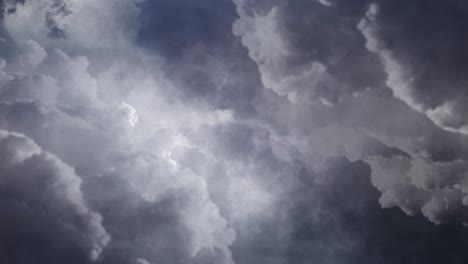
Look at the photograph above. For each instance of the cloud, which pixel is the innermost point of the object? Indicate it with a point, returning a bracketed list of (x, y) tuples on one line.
[(322, 69), (104, 120), (182, 132), (335, 76), (37, 185), (426, 78)]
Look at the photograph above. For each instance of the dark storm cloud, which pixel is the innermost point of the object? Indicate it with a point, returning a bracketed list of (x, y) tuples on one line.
[(202, 56), (421, 45), (42, 201), (246, 131), (412, 182), (423, 62), (305, 59), (352, 228), (310, 52)]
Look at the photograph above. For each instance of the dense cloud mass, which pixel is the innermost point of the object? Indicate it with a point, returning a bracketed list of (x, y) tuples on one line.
[(420, 168), (233, 131), (39, 191)]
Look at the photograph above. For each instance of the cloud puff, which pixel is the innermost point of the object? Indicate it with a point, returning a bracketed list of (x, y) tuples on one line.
[(420, 187), (423, 68), (335, 65), (325, 68), (41, 196), (117, 126), (184, 157)]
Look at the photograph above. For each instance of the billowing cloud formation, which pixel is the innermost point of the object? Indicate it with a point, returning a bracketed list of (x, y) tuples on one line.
[(319, 62), (154, 209), (41, 196), (424, 69), (241, 131)]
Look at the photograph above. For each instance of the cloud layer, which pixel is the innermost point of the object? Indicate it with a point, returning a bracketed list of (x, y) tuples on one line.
[(241, 131), (330, 68)]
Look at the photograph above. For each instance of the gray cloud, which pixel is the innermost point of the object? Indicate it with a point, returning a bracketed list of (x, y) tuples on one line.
[(155, 210), (249, 131), (36, 184), (423, 68)]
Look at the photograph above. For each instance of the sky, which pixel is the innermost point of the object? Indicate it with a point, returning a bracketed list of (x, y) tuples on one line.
[(233, 131)]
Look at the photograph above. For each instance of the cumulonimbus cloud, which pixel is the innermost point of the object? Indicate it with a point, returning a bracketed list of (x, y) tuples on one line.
[(140, 137), (420, 178), (39, 191)]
